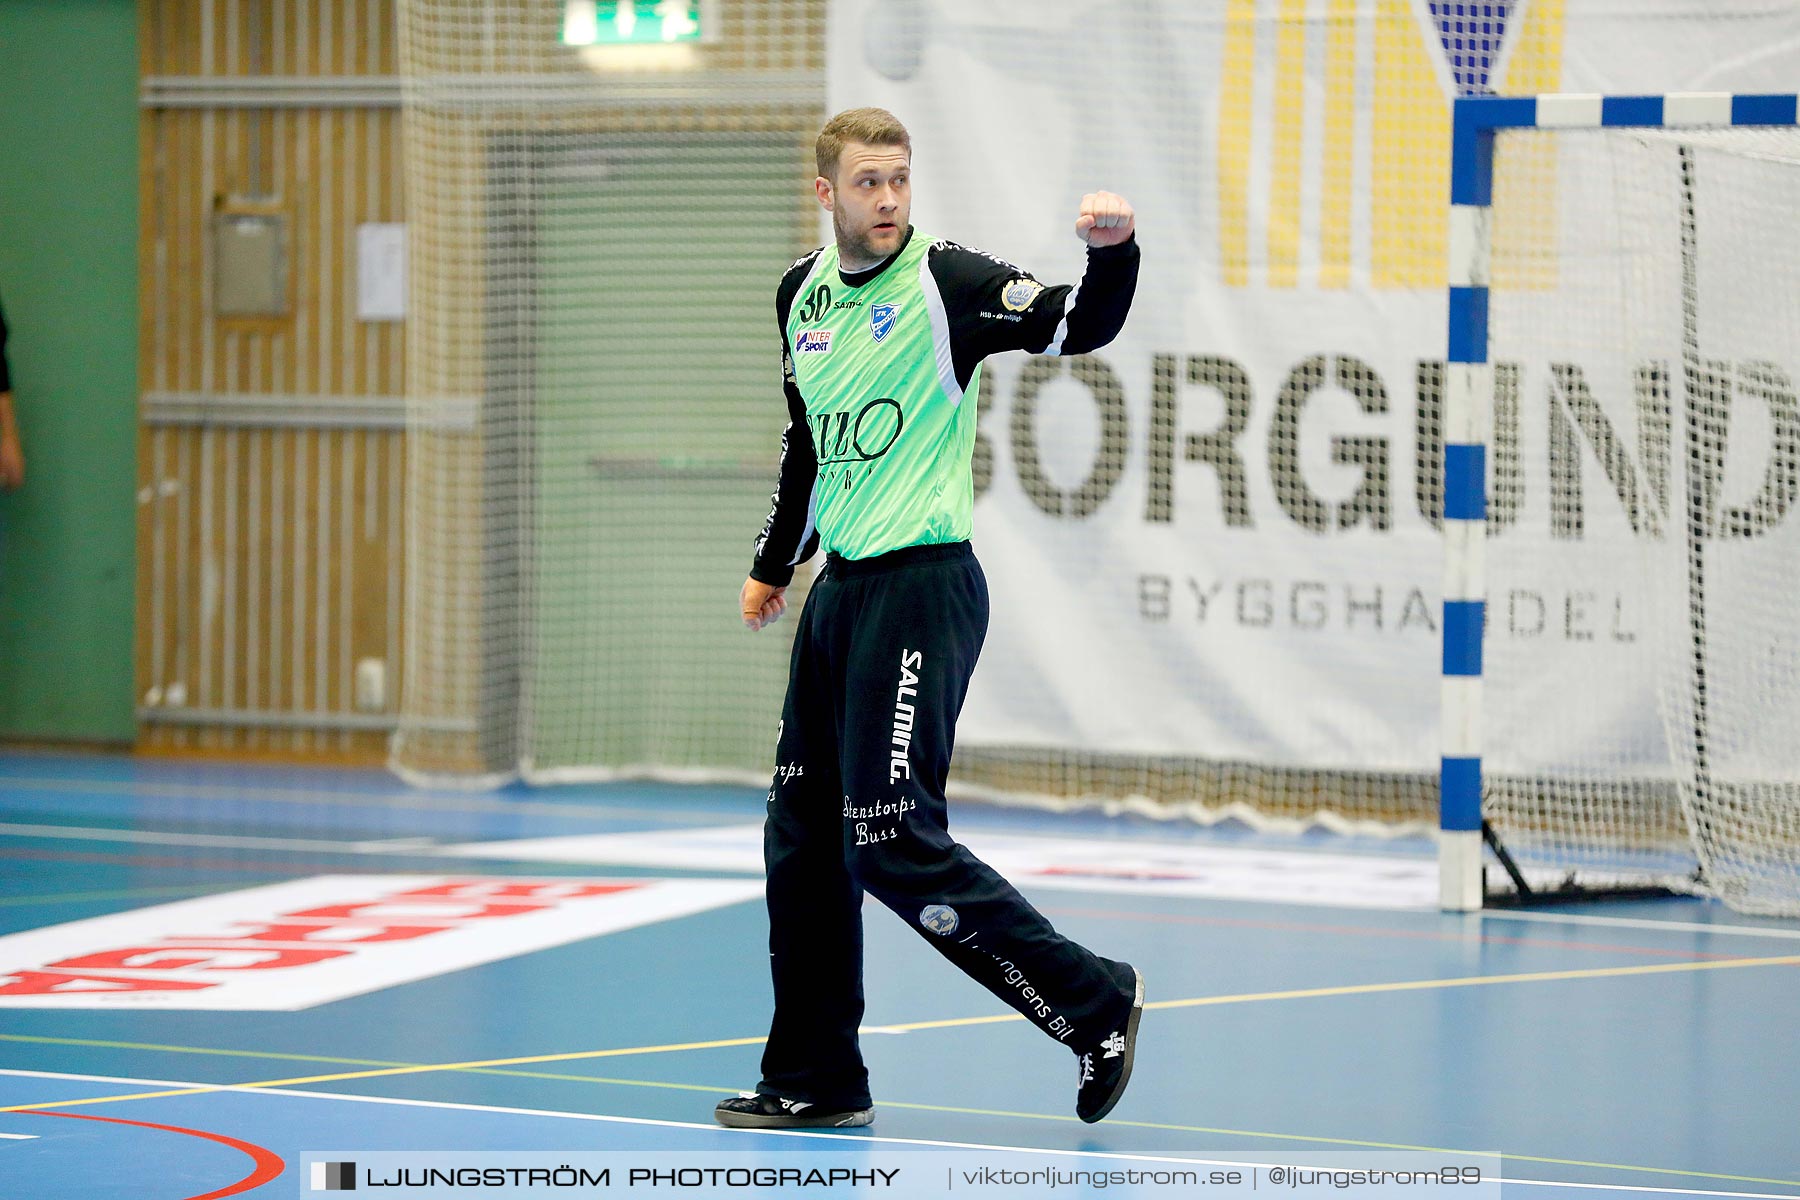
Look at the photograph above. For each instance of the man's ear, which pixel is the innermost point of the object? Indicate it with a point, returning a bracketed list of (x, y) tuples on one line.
[(822, 189)]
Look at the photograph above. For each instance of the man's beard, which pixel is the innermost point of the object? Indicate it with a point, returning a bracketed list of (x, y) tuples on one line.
[(859, 245)]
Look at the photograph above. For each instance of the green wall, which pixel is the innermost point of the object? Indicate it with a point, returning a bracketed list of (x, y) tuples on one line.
[(68, 279)]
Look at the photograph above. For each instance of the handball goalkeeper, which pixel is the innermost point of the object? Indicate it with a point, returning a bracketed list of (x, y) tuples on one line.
[(882, 336)]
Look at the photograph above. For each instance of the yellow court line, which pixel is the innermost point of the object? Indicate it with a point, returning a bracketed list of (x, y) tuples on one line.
[(349, 1062), (715, 1089), (579, 1055), (1481, 980), (272, 1055), (413, 1069), (1414, 985)]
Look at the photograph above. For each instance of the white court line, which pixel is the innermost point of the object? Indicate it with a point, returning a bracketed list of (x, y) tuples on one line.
[(1642, 923), (807, 1133), (427, 801), (420, 847), (92, 833), (19, 1137)]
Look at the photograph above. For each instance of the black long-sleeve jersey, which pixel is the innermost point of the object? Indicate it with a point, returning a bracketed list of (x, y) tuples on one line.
[(5, 375)]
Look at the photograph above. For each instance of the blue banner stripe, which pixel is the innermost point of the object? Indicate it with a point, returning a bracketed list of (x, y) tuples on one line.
[(1459, 794), (1468, 324), (1763, 110), (1631, 110), (1465, 482), (1462, 636)]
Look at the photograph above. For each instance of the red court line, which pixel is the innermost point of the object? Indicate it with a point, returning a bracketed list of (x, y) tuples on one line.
[(268, 1164), (1427, 935)]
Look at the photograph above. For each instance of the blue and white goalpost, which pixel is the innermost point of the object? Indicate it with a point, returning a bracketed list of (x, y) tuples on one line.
[(1719, 771)]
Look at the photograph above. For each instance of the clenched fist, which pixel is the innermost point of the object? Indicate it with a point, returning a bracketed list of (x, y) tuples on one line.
[(1105, 219), (760, 604)]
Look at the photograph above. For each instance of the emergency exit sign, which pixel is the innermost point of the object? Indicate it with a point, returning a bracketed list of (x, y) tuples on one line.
[(636, 22)]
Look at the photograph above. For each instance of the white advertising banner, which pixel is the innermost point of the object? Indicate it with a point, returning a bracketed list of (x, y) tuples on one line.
[(1213, 538), (292, 946)]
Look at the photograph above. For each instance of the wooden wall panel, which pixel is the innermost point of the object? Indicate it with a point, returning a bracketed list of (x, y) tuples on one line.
[(269, 542), (271, 549)]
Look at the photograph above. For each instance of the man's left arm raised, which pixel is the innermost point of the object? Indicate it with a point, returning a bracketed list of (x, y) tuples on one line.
[(993, 306)]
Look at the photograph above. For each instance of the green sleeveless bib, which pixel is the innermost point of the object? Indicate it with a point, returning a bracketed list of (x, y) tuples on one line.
[(893, 431)]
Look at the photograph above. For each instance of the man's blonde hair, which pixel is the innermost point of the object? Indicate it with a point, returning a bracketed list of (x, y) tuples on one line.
[(870, 126)]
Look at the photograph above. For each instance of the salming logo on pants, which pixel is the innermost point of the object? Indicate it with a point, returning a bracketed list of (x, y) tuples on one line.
[(881, 665)]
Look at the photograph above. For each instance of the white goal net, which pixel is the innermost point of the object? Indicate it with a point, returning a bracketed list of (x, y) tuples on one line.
[(1642, 656), (593, 387)]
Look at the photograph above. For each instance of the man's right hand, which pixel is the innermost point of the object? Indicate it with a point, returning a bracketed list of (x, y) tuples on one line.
[(12, 463), (12, 458), (761, 604)]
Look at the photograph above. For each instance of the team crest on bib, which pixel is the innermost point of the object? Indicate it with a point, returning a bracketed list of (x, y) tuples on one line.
[(813, 341), (882, 318), (1020, 293)]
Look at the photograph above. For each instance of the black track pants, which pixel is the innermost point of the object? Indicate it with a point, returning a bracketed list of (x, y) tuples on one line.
[(881, 665)]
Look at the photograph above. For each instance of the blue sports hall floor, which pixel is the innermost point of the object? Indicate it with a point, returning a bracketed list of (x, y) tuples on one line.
[(209, 972)]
